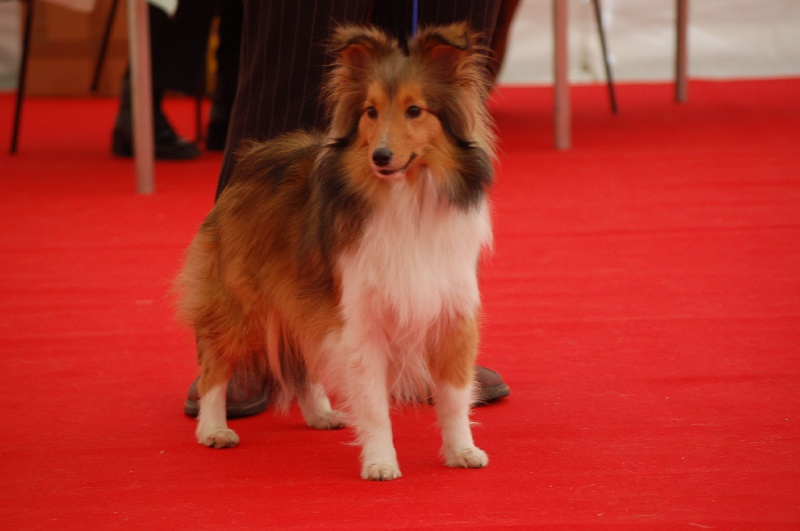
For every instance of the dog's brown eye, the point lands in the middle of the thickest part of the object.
(372, 112)
(413, 111)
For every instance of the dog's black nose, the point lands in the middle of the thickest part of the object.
(382, 156)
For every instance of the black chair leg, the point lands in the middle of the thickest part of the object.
(606, 61)
(101, 56)
(23, 69)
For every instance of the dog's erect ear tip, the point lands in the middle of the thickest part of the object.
(350, 37)
(458, 35)
(449, 49)
(344, 36)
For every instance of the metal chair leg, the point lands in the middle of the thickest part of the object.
(23, 69)
(606, 60)
(101, 56)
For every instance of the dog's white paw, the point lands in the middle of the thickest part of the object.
(472, 457)
(317, 411)
(377, 471)
(330, 420)
(218, 438)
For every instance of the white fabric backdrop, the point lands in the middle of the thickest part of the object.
(727, 39)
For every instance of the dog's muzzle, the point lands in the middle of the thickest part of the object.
(382, 158)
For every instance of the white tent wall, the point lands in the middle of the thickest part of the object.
(727, 39)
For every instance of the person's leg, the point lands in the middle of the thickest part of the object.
(395, 17)
(179, 56)
(178, 47)
(229, 33)
(480, 14)
(281, 68)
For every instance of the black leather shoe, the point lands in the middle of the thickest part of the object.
(168, 145)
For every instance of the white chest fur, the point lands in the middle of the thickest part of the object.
(416, 261)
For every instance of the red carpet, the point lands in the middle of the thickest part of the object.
(643, 303)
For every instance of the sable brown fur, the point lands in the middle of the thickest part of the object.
(285, 284)
(350, 257)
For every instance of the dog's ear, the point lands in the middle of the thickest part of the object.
(354, 50)
(456, 82)
(356, 46)
(451, 51)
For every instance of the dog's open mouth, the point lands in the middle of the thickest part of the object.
(397, 172)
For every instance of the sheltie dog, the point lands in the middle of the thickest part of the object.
(348, 260)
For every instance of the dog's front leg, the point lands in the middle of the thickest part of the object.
(368, 401)
(453, 369)
(452, 409)
(316, 409)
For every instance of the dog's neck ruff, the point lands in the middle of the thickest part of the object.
(413, 271)
(416, 259)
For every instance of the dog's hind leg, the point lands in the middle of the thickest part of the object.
(316, 409)
(452, 366)
(212, 427)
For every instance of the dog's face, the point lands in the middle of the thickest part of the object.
(397, 129)
(398, 111)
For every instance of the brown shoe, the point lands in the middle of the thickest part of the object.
(490, 386)
(247, 395)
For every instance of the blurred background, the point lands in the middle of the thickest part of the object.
(727, 39)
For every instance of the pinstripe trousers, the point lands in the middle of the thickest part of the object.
(283, 59)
